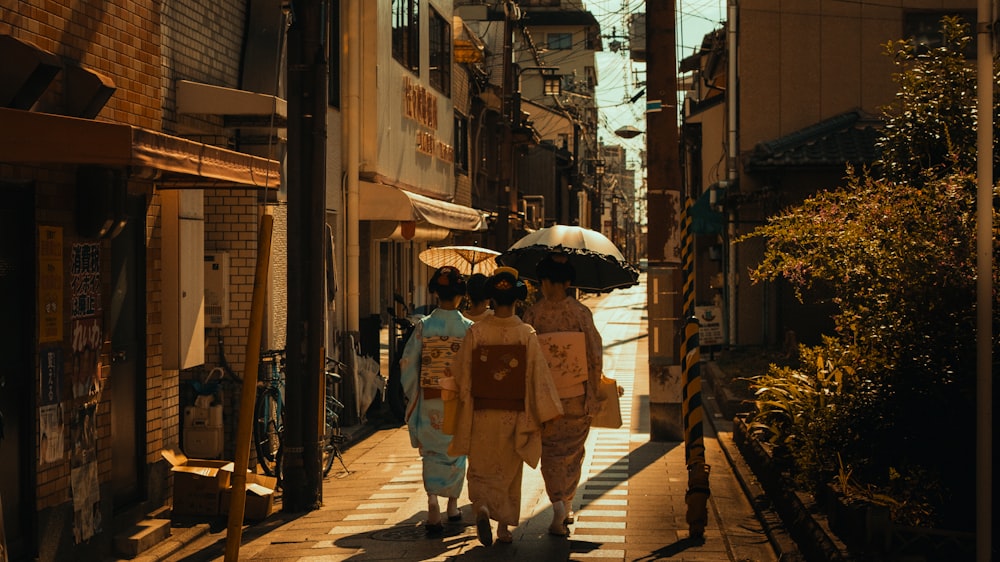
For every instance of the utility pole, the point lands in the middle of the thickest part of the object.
(305, 353)
(663, 197)
(506, 196)
(984, 289)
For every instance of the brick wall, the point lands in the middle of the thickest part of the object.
(120, 40)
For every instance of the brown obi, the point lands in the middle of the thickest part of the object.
(566, 355)
(499, 377)
(435, 358)
(431, 393)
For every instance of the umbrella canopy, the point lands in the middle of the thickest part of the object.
(599, 265)
(466, 259)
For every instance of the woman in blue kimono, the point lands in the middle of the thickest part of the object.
(424, 376)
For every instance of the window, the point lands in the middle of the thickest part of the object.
(559, 41)
(562, 140)
(333, 41)
(591, 75)
(439, 44)
(406, 33)
(461, 143)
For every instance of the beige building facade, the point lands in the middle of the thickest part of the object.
(779, 101)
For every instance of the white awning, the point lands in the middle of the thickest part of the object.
(379, 202)
(239, 107)
(37, 138)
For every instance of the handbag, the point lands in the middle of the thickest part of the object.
(610, 413)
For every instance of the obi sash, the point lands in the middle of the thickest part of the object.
(566, 355)
(499, 377)
(435, 358)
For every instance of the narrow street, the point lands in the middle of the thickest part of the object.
(629, 507)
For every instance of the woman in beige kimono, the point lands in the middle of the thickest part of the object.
(479, 299)
(574, 350)
(505, 393)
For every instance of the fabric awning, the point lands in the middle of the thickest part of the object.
(379, 202)
(43, 138)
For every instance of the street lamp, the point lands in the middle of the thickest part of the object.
(628, 132)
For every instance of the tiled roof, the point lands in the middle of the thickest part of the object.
(848, 138)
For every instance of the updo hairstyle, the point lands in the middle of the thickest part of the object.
(505, 288)
(447, 283)
(477, 290)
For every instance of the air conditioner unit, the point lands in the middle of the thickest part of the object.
(216, 289)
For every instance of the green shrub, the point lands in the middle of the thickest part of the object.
(890, 396)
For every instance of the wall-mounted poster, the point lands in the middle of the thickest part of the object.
(49, 409)
(85, 280)
(83, 474)
(85, 311)
(50, 284)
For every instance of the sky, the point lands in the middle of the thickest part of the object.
(619, 79)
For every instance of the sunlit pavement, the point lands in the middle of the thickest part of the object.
(630, 506)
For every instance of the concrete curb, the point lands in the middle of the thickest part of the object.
(784, 546)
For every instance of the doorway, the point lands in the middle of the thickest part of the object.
(127, 328)
(17, 290)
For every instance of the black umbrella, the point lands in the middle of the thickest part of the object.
(599, 265)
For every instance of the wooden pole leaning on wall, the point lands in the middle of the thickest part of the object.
(244, 428)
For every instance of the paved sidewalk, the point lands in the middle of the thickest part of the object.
(630, 505)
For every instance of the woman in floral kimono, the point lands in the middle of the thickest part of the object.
(505, 393)
(574, 351)
(424, 363)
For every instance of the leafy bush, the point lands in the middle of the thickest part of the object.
(891, 394)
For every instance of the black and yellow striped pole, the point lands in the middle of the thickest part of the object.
(694, 442)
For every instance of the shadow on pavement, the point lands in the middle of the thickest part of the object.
(672, 550)
(218, 525)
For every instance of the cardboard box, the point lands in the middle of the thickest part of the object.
(198, 483)
(259, 494)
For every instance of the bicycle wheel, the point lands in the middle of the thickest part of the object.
(332, 437)
(331, 449)
(268, 426)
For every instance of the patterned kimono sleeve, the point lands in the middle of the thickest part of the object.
(595, 347)
(460, 369)
(595, 357)
(543, 398)
(409, 363)
(529, 315)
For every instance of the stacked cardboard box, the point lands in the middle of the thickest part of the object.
(204, 487)
(259, 497)
(198, 483)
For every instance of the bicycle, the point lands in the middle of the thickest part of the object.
(269, 411)
(333, 438)
(269, 415)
